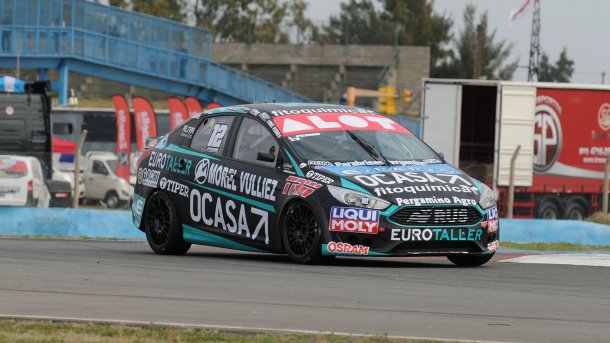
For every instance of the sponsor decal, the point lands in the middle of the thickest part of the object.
(417, 235)
(214, 174)
(319, 177)
(257, 186)
(137, 209)
(319, 122)
(358, 163)
(492, 213)
(148, 177)
(316, 163)
(174, 187)
(322, 110)
(346, 248)
(356, 220)
(299, 186)
(363, 170)
(170, 163)
(410, 177)
(228, 215)
(297, 138)
(425, 188)
(603, 116)
(547, 133)
(493, 246)
(435, 200)
(492, 226)
(187, 131)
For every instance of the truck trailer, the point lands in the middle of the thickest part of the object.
(563, 130)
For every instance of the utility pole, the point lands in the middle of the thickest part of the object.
(534, 44)
(479, 53)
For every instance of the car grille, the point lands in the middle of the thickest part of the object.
(432, 215)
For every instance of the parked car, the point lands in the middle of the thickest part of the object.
(68, 176)
(313, 181)
(101, 183)
(22, 182)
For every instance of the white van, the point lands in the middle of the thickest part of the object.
(101, 183)
(22, 182)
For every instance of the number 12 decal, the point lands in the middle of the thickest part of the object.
(218, 134)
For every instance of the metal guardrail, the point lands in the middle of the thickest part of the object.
(134, 42)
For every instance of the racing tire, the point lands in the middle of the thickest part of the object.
(162, 226)
(302, 235)
(548, 210)
(469, 260)
(575, 211)
(112, 200)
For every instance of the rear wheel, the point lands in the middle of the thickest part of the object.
(469, 260)
(575, 211)
(548, 210)
(162, 227)
(302, 235)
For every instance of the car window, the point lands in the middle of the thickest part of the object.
(212, 134)
(98, 168)
(252, 138)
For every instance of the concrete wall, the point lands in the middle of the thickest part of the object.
(62, 222)
(322, 72)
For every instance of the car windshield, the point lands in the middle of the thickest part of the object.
(12, 169)
(111, 164)
(376, 147)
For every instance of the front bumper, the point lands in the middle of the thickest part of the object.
(392, 239)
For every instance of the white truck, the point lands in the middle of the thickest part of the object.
(563, 130)
(101, 183)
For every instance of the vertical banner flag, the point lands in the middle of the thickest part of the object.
(177, 112)
(517, 12)
(193, 105)
(123, 136)
(146, 122)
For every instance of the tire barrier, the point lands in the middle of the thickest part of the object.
(553, 231)
(67, 222)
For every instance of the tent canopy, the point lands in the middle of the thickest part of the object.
(10, 84)
(63, 147)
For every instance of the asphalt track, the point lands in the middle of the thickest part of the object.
(430, 297)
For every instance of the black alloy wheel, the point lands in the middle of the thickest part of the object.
(302, 235)
(163, 229)
(469, 260)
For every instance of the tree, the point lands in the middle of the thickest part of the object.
(168, 9)
(253, 21)
(560, 72)
(460, 63)
(419, 25)
(358, 22)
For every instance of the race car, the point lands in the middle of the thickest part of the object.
(312, 181)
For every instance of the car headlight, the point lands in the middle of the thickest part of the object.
(354, 198)
(487, 199)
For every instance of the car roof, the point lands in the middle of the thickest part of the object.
(282, 109)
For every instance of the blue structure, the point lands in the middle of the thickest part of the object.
(128, 47)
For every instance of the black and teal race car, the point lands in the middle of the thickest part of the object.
(313, 181)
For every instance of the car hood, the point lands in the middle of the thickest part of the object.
(432, 184)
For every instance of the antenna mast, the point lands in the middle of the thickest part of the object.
(534, 44)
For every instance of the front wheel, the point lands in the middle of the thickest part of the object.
(302, 235)
(470, 260)
(162, 227)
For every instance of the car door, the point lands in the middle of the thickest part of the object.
(254, 153)
(95, 181)
(41, 192)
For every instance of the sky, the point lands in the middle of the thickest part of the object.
(582, 26)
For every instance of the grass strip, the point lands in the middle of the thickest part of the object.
(12, 330)
(562, 246)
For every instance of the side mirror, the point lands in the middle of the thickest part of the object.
(266, 156)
